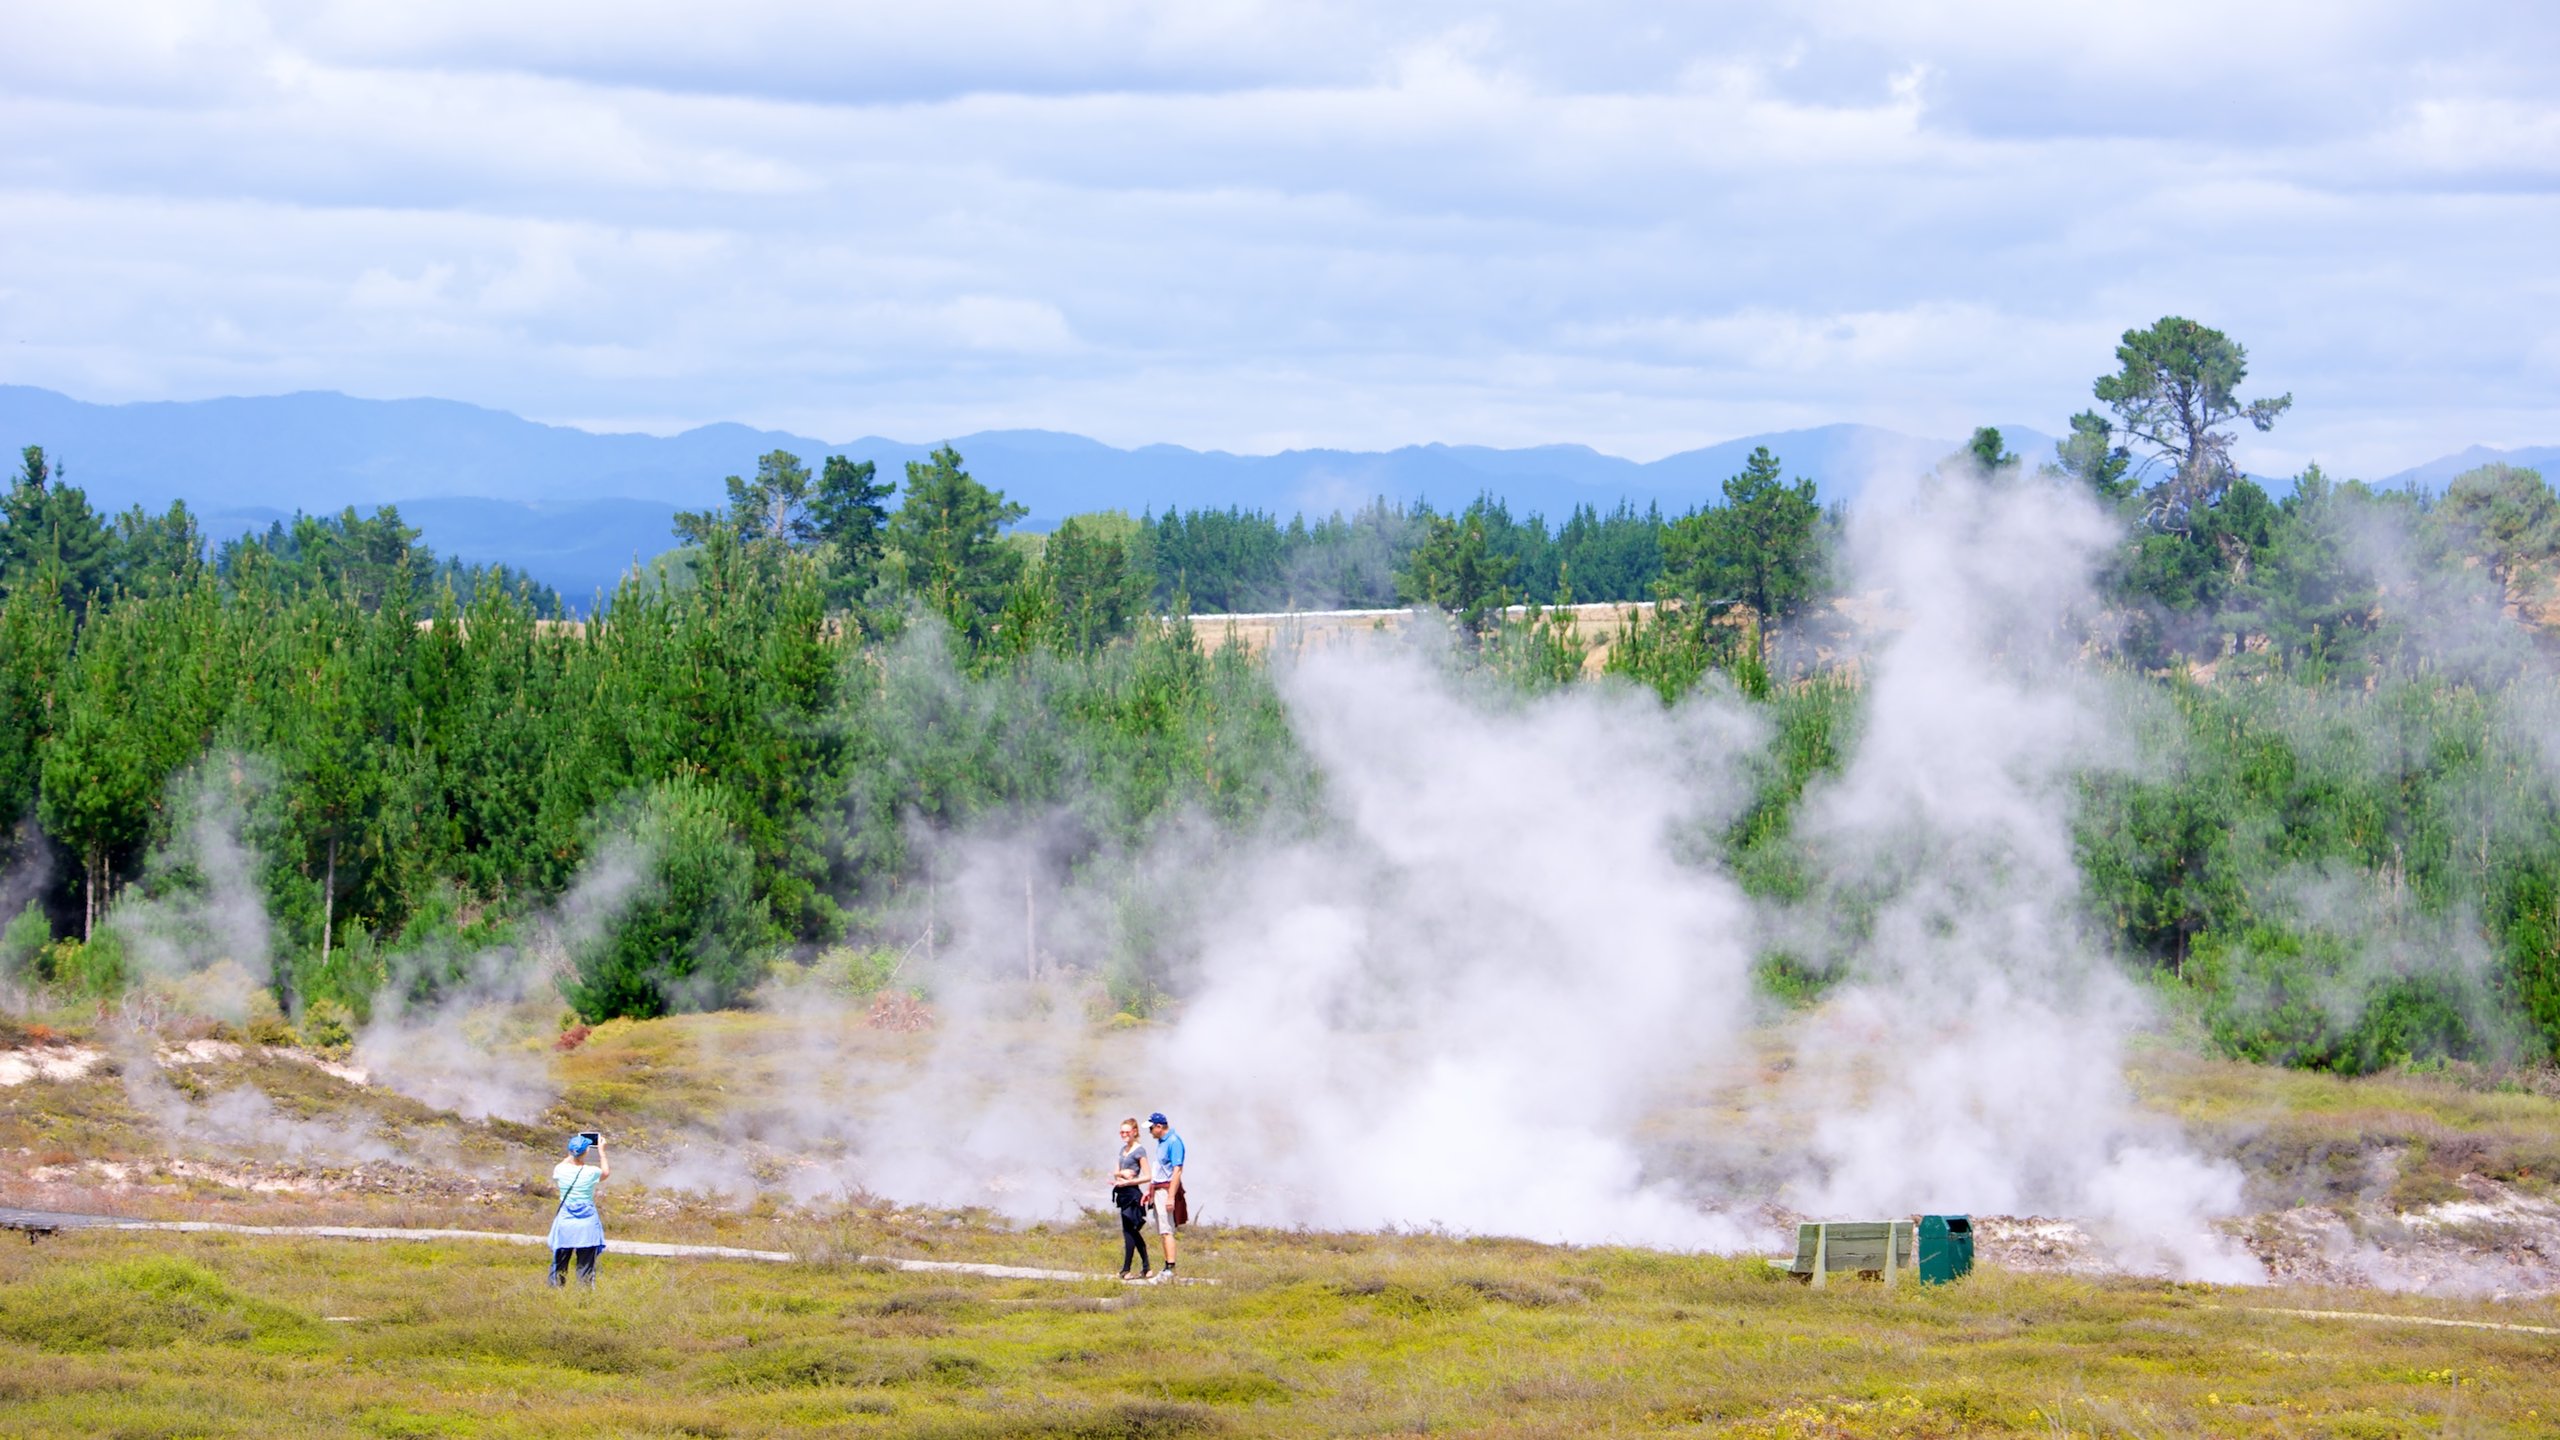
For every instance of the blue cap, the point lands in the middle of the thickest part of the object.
(1158, 1119)
(577, 1144)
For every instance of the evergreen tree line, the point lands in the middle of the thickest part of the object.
(758, 726)
(50, 536)
(2343, 852)
(1238, 561)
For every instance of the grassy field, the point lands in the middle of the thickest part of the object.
(1303, 1334)
(158, 1335)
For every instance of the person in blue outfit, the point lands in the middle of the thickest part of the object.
(1164, 1176)
(576, 1228)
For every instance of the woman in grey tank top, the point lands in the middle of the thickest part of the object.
(1128, 1191)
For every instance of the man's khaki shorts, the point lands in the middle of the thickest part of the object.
(1162, 1203)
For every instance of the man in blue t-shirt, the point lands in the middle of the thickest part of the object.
(1166, 1150)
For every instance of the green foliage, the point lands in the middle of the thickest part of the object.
(849, 514)
(2176, 392)
(1812, 724)
(1674, 646)
(94, 968)
(2313, 591)
(2315, 859)
(50, 538)
(839, 519)
(1760, 551)
(2507, 517)
(858, 971)
(772, 509)
(134, 708)
(36, 632)
(1237, 561)
(691, 932)
(2524, 915)
(326, 1028)
(1457, 570)
(1224, 561)
(2181, 590)
(945, 539)
(1989, 452)
(158, 554)
(366, 559)
(790, 712)
(445, 931)
(1617, 556)
(1097, 578)
(2091, 456)
(149, 1304)
(1540, 650)
(370, 561)
(21, 940)
(2279, 995)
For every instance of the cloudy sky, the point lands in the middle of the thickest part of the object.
(1641, 227)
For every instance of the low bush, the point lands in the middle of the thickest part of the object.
(21, 940)
(147, 1304)
(327, 1028)
(801, 1364)
(691, 931)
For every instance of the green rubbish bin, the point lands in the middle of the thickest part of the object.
(1946, 1248)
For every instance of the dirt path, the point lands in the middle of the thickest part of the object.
(40, 1222)
(2398, 1319)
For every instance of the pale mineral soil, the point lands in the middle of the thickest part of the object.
(2435, 1184)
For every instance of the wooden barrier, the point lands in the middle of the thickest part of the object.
(1868, 1247)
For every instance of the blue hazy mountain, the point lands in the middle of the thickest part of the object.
(575, 508)
(2434, 474)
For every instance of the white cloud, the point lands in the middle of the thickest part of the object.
(1246, 224)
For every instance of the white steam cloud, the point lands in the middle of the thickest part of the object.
(1976, 1061)
(1454, 1008)
(205, 935)
(1458, 1002)
(456, 1051)
(1466, 994)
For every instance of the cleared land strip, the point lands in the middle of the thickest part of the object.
(2394, 1319)
(45, 1222)
(379, 1232)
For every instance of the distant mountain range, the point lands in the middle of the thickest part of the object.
(575, 508)
(2435, 473)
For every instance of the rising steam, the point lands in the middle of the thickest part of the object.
(1458, 1000)
(1462, 996)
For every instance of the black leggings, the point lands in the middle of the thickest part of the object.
(1133, 1229)
(586, 1265)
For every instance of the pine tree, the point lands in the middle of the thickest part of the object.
(946, 534)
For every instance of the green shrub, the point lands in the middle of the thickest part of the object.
(691, 931)
(858, 971)
(95, 969)
(445, 936)
(799, 1364)
(1227, 1387)
(348, 976)
(327, 1028)
(21, 940)
(2277, 996)
(2529, 924)
(147, 1304)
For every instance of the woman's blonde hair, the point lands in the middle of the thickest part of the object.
(1130, 1123)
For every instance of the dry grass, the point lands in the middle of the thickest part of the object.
(2306, 1138)
(1306, 1335)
